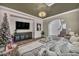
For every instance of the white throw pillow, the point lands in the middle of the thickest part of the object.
(71, 33)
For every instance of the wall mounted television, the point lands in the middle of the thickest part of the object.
(22, 25)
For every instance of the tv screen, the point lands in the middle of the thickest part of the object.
(22, 25)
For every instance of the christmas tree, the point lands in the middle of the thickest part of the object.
(5, 31)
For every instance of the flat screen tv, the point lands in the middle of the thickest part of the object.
(22, 25)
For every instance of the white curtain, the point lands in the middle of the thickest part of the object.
(56, 26)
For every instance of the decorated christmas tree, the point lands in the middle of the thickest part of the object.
(4, 31)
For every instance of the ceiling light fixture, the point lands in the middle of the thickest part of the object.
(42, 14)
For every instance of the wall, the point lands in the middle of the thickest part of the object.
(71, 18)
(20, 16)
(13, 20)
(38, 33)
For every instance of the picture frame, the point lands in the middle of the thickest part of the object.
(38, 27)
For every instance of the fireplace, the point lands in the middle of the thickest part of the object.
(23, 36)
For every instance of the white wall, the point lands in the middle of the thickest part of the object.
(71, 18)
(12, 21)
(24, 18)
(13, 24)
(38, 33)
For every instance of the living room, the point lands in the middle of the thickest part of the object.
(34, 29)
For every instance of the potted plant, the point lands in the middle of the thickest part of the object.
(42, 34)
